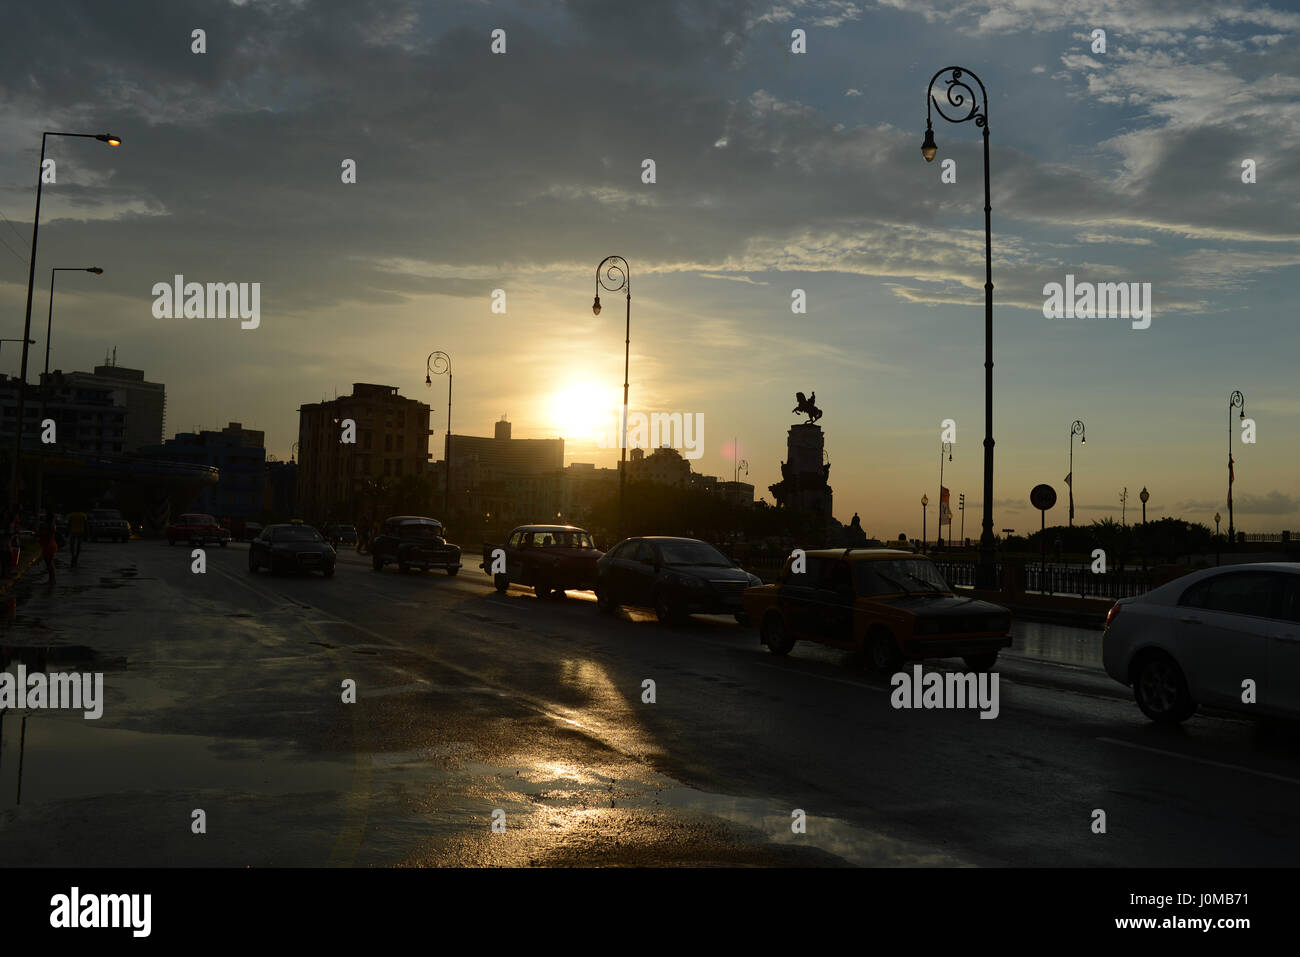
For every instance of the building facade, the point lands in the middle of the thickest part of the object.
(391, 434)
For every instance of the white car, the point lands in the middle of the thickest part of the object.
(1226, 637)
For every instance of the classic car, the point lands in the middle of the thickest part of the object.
(891, 604)
(107, 523)
(675, 576)
(413, 541)
(299, 548)
(550, 558)
(197, 529)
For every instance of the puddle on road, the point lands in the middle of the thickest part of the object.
(66, 757)
(562, 797)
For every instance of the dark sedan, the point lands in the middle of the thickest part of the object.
(298, 548)
(675, 576)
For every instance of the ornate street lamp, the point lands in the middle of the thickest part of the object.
(1076, 428)
(439, 363)
(961, 97)
(618, 277)
(925, 500)
(944, 448)
(1235, 401)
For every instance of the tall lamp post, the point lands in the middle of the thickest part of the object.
(925, 500)
(111, 140)
(957, 94)
(45, 377)
(1235, 401)
(439, 363)
(944, 448)
(1076, 428)
(961, 505)
(617, 277)
(1217, 540)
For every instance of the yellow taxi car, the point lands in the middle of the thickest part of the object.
(892, 605)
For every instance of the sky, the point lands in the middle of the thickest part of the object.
(775, 171)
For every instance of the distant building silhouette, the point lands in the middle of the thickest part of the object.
(392, 440)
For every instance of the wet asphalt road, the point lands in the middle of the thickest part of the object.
(223, 694)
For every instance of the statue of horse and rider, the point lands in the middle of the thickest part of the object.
(807, 407)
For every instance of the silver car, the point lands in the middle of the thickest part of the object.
(1225, 637)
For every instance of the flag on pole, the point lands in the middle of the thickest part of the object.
(945, 510)
(1067, 480)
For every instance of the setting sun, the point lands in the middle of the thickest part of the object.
(581, 410)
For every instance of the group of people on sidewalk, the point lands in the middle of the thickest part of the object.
(48, 538)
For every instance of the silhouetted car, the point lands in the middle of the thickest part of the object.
(1199, 638)
(551, 558)
(341, 535)
(107, 523)
(413, 541)
(675, 576)
(890, 604)
(298, 548)
(197, 529)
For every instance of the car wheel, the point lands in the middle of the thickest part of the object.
(452, 572)
(170, 541)
(742, 618)
(402, 566)
(541, 589)
(1160, 689)
(775, 636)
(665, 610)
(501, 583)
(252, 561)
(882, 651)
(376, 563)
(224, 543)
(329, 572)
(604, 604)
(982, 662)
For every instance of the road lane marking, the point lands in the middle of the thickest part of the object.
(1214, 764)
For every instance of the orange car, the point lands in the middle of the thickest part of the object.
(892, 605)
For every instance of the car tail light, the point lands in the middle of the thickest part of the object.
(1112, 614)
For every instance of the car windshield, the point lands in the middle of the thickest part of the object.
(105, 513)
(421, 530)
(295, 533)
(564, 539)
(895, 576)
(693, 553)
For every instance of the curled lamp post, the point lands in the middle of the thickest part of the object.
(616, 277)
(1076, 428)
(1235, 401)
(960, 97)
(439, 363)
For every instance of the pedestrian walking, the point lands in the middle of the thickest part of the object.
(49, 545)
(77, 525)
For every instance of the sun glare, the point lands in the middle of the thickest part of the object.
(580, 411)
